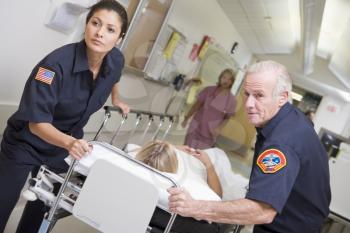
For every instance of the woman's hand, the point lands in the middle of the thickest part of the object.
(184, 123)
(124, 107)
(78, 148)
(47, 132)
(186, 149)
(203, 157)
(116, 100)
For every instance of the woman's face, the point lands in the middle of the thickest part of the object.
(102, 32)
(226, 80)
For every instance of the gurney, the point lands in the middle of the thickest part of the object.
(90, 200)
(108, 205)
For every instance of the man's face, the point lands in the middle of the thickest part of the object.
(260, 104)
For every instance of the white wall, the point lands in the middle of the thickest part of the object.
(333, 114)
(26, 40)
(196, 18)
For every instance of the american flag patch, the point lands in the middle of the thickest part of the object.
(45, 75)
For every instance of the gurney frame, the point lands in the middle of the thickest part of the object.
(61, 205)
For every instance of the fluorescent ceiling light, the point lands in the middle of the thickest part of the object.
(296, 96)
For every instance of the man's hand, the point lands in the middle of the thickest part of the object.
(181, 202)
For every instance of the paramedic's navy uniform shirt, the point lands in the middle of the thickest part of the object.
(297, 187)
(66, 103)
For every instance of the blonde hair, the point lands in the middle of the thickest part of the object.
(159, 155)
(229, 71)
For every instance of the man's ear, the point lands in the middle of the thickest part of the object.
(284, 97)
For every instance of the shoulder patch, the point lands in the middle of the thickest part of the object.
(45, 75)
(271, 161)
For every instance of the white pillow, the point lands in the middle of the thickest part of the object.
(132, 149)
(190, 167)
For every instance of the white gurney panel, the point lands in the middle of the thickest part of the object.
(115, 200)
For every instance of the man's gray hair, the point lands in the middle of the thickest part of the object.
(283, 83)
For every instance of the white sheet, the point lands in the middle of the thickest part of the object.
(233, 184)
(197, 187)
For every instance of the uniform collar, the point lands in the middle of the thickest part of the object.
(81, 62)
(267, 129)
(108, 64)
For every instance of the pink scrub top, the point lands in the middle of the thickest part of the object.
(215, 108)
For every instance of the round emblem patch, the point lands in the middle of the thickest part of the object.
(271, 161)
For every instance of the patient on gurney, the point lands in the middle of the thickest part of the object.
(163, 156)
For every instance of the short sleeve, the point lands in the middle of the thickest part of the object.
(115, 61)
(40, 95)
(273, 175)
(231, 110)
(203, 95)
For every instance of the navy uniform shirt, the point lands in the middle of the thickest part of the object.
(290, 173)
(60, 91)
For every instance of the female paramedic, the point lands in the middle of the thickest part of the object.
(62, 92)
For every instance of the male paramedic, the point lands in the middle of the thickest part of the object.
(289, 189)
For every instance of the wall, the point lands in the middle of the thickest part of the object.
(194, 18)
(333, 114)
(26, 40)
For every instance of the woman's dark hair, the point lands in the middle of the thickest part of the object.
(111, 5)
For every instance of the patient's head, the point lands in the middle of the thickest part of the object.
(159, 155)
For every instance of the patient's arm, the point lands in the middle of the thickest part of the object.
(212, 177)
(185, 148)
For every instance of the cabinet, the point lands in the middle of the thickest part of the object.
(144, 31)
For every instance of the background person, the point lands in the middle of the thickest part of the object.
(62, 92)
(310, 114)
(214, 106)
(289, 189)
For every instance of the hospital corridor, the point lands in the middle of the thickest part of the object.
(175, 116)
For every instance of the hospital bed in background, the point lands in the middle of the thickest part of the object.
(104, 200)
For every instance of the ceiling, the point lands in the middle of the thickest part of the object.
(313, 33)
